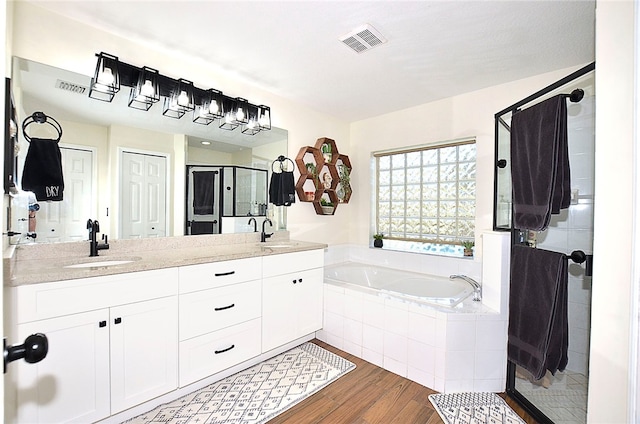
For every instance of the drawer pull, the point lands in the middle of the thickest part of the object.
(225, 307)
(222, 274)
(224, 350)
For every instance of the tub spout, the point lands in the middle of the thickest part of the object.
(477, 288)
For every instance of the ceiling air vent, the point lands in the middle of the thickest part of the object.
(69, 86)
(363, 38)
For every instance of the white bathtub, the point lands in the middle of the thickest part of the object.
(398, 284)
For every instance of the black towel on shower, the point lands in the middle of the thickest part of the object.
(282, 188)
(203, 184)
(538, 322)
(42, 173)
(541, 182)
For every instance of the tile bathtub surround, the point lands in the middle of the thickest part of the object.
(447, 352)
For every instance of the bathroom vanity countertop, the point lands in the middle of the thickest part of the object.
(22, 269)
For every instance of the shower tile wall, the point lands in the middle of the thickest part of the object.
(573, 230)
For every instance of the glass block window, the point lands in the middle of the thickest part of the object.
(427, 194)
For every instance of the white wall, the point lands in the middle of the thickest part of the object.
(44, 37)
(614, 214)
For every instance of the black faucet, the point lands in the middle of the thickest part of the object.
(264, 236)
(255, 224)
(94, 246)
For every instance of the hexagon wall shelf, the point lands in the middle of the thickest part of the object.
(324, 175)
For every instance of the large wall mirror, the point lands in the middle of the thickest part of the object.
(103, 141)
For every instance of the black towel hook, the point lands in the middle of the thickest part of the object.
(40, 118)
(281, 159)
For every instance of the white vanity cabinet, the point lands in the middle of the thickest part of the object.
(291, 296)
(112, 345)
(220, 316)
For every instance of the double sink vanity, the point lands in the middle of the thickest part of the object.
(152, 318)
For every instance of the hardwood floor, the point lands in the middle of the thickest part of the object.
(367, 395)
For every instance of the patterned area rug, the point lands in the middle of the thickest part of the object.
(257, 394)
(455, 408)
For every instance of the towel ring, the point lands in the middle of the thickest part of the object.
(40, 118)
(281, 159)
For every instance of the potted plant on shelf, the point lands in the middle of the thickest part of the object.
(345, 185)
(468, 247)
(377, 239)
(327, 207)
(311, 169)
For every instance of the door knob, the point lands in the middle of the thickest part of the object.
(34, 349)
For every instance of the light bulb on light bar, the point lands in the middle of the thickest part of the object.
(106, 77)
(147, 89)
(183, 99)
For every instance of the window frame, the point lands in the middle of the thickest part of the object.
(440, 239)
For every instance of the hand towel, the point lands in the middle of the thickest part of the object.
(538, 322)
(541, 182)
(203, 186)
(42, 172)
(282, 188)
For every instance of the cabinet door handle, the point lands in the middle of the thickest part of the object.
(102, 324)
(117, 320)
(299, 280)
(224, 350)
(294, 281)
(222, 308)
(222, 274)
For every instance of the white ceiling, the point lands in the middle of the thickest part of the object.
(435, 49)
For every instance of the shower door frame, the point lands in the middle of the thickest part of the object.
(511, 390)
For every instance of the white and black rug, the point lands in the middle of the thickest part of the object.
(257, 394)
(458, 408)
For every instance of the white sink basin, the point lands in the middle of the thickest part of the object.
(100, 264)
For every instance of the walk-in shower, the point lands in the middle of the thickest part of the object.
(561, 397)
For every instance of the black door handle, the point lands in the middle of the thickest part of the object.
(34, 349)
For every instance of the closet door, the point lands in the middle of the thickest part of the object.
(143, 196)
(67, 220)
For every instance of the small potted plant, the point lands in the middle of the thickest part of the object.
(312, 170)
(377, 239)
(327, 206)
(468, 247)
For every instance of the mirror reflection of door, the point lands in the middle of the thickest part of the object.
(143, 195)
(67, 220)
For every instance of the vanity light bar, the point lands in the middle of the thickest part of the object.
(181, 96)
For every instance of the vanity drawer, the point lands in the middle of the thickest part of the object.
(210, 310)
(292, 262)
(47, 300)
(218, 274)
(203, 356)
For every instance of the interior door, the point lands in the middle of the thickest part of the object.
(67, 220)
(143, 196)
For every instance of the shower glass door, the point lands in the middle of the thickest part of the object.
(560, 398)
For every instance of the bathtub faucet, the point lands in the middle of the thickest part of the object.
(477, 288)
